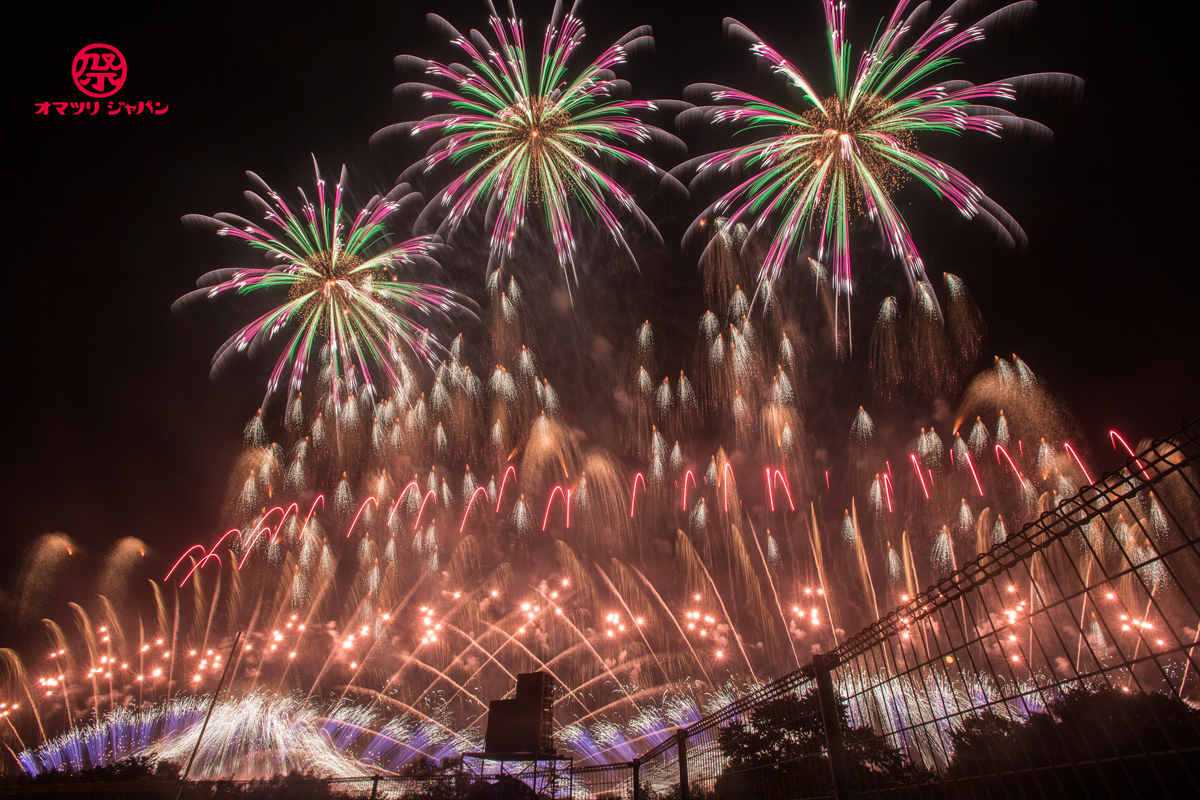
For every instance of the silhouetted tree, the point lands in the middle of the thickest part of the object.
(1100, 743)
(778, 750)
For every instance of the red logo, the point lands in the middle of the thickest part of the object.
(99, 70)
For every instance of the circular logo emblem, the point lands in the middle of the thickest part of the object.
(99, 70)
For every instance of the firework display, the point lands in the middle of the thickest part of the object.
(462, 535)
(526, 134)
(428, 516)
(848, 152)
(337, 287)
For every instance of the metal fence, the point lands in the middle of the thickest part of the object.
(1058, 665)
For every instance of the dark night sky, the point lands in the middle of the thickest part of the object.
(114, 427)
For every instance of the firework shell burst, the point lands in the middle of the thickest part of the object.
(528, 136)
(846, 153)
(335, 287)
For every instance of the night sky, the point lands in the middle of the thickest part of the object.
(114, 427)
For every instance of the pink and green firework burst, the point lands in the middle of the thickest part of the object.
(529, 135)
(847, 152)
(335, 287)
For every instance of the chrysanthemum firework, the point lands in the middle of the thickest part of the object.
(335, 286)
(528, 135)
(847, 152)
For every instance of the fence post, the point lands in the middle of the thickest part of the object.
(637, 778)
(374, 787)
(822, 670)
(681, 740)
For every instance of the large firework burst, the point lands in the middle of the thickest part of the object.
(847, 152)
(335, 288)
(533, 140)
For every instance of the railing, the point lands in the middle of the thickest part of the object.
(1058, 665)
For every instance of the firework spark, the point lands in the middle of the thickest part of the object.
(847, 152)
(334, 284)
(529, 135)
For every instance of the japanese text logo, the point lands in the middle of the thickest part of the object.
(99, 70)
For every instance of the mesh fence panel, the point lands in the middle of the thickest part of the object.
(1059, 665)
(606, 781)
(658, 770)
(768, 744)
